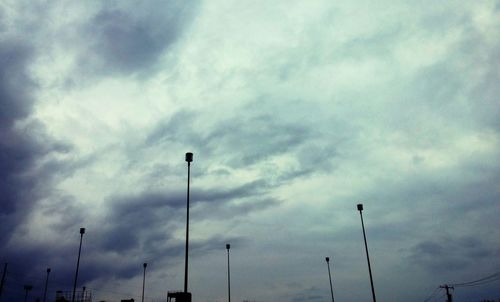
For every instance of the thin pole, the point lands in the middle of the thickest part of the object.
(46, 283)
(330, 276)
(360, 209)
(189, 159)
(82, 231)
(3, 279)
(228, 246)
(144, 280)
(27, 288)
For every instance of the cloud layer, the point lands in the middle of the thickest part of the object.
(295, 112)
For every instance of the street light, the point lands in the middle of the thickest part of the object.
(228, 246)
(144, 280)
(82, 231)
(189, 159)
(330, 276)
(46, 283)
(27, 288)
(360, 209)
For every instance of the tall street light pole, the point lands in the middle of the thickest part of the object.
(360, 209)
(330, 276)
(82, 231)
(228, 246)
(46, 283)
(144, 280)
(189, 159)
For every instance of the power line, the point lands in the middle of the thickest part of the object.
(434, 293)
(481, 283)
(488, 279)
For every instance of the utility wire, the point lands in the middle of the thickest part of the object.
(488, 279)
(434, 293)
(481, 283)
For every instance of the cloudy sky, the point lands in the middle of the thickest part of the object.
(295, 112)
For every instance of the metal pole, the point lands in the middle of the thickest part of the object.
(189, 159)
(144, 280)
(228, 246)
(360, 209)
(3, 279)
(330, 276)
(449, 298)
(27, 288)
(82, 231)
(46, 283)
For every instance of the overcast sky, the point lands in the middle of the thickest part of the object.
(295, 111)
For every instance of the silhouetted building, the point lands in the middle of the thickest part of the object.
(178, 297)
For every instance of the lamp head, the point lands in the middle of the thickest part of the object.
(82, 231)
(360, 207)
(145, 264)
(48, 270)
(228, 246)
(189, 157)
(327, 259)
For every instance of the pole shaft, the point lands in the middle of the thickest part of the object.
(187, 234)
(77, 266)
(330, 276)
(3, 279)
(143, 283)
(46, 284)
(448, 295)
(228, 278)
(368, 258)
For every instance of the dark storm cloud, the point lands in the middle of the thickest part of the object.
(257, 136)
(128, 37)
(132, 220)
(223, 195)
(431, 202)
(448, 253)
(15, 84)
(460, 189)
(137, 220)
(28, 162)
(175, 129)
(23, 180)
(29, 259)
(138, 227)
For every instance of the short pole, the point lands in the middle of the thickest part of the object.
(82, 231)
(2, 282)
(46, 284)
(330, 276)
(228, 246)
(360, 209)
(27, 288)
(144, 280)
